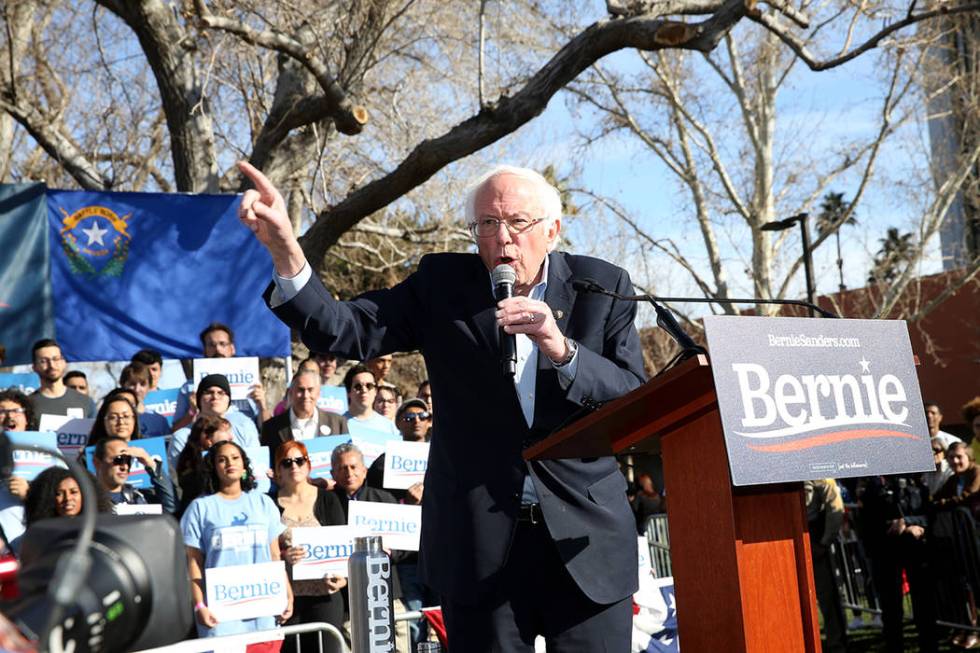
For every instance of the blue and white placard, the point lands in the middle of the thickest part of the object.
(320, 449)
(246, 591)
(398, 525)
(28, 464)
(370, 441)
(242, 373)
(327, 549)
(405, 463)
(72, 431)
(23, 381)
(333, 399)
(163, 402)
(138, 509)
(259, 457)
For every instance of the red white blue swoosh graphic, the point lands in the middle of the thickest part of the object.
(825, 439)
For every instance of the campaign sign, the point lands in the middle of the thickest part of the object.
(28, 464)
(163, 402)
(138, 509)
(371, 442)
(242, 373)
(333, 399)
(320, 449)
(803, 399)
(23, 381)
(398, 525)
(405, 463)
(246, 591)
(326, 550)
(139, 478)
(72, 432)
(259, 457)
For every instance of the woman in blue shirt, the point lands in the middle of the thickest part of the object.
(231, 525)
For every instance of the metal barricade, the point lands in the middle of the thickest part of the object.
(330, 640)
(658, 538)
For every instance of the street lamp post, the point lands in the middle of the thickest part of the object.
(782, 225)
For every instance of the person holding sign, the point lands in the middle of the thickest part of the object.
(232, 525)
(305, 505)
(548, 544)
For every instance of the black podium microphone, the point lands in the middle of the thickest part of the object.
(503, 277)
(665, 319)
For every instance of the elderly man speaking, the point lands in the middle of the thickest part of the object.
(515, 549)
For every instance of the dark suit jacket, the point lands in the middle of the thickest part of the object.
(277, 430)
(476, 472)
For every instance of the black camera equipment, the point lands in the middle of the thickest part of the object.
(101, 583)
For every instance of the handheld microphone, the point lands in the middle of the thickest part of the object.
(503, 278)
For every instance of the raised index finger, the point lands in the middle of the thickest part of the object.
(259, 180)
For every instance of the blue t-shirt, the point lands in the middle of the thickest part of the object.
(153, 424)
(377, 422)
(229, 533)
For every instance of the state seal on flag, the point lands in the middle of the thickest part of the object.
(96, 240)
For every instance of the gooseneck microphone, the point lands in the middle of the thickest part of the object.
(503, 278)
(665, 319)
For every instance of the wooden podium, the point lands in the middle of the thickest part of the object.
(741, 556)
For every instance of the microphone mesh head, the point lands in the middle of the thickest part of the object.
(503, 273)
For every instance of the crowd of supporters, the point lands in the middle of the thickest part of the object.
(914, 533)
(210, 484)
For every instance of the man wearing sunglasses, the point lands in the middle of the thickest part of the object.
(515, 549)
(113, 459)
(361, 391)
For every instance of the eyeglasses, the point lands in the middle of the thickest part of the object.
(113, 417)
(937, 451)
(414, 417)
(287, 463)
(43, 362)
(363, 387)
(123, 460)
(486, 226)
(12, 411)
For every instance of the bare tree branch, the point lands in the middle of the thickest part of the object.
(798, 46)
(349, 118)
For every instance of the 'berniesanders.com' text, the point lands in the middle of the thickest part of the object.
(812, 341)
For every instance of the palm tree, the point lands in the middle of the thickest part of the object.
(835, 213)
(896, 248)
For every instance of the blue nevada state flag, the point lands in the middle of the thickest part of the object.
(151, 270)
(25, 294)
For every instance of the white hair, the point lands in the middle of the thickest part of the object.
(548, 195)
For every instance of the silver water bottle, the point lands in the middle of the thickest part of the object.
(372, 610)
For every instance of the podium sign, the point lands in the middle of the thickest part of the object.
(803, 399)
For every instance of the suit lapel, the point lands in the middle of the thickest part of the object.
(559, 297)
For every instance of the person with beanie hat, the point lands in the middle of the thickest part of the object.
(214, 400)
